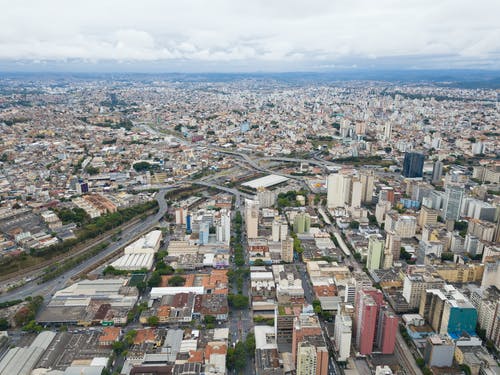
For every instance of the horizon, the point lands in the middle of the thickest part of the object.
(244, 37)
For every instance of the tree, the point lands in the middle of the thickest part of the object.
(118, 347)
(209, 319)
(153, 321)
(237, 301)
(154, 280)
(176, 281)
(250, 344)
(31, 326)
(420, 362)
(4, 324)
(91, 170)
(259, 262)
(354, 224)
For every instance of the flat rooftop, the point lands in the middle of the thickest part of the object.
(266, 181)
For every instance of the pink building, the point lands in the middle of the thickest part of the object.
(366, 314)
(375, 323)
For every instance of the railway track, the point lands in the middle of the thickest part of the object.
(17, 276)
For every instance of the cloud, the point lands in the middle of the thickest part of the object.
(279, 32)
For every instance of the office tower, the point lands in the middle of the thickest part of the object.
(357, 193)
(342, 336)
(413, 165)
(223, 227)
(437, 172)
(302, 223)
(306, 359)
(452, 202)
(204, 232)
(339, 187)
(367, 179)
(287, 250)
(188, 223)
(252, 218)
(448, 311)
(388, 131)
(375, 251)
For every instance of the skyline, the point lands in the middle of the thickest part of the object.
(243, 37)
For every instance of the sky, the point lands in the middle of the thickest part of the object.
(252, 35)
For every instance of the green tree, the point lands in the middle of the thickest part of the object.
(176, 281)
(354, 224)
(91, 170)
(237, 301)
(153, 321)
(209, 319)
(250, 344)
(118, 347)
(4, 324)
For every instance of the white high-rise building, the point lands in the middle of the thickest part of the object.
(388, 130)
(339, 188)
(357, 193)
(252, 218)
(223, 227)
(342, 336)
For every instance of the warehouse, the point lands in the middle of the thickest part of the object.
(148, 244)
(134, 262)
(265, 181)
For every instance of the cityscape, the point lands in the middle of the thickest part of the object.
(241, 209)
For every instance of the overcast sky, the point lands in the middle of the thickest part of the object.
(251, 35)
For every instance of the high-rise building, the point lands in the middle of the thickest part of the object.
(437, 172)
(302, 223)
(367, 179)
(180, 216)
(342, 336)
(275, 230)
(427, 216)
(339, 188)
(375, 252)
(388, 131)
(413, 164)
(287, 250)
(204, 232)
(439, 351)
(252, 218)
(357, 193)
(307, 333)
(223, 226)
(416, 283)
(452, 202)
(387, 330)
(393, 245)
(366, 321)
(306, 359)
(448, 311)
(375, 324)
